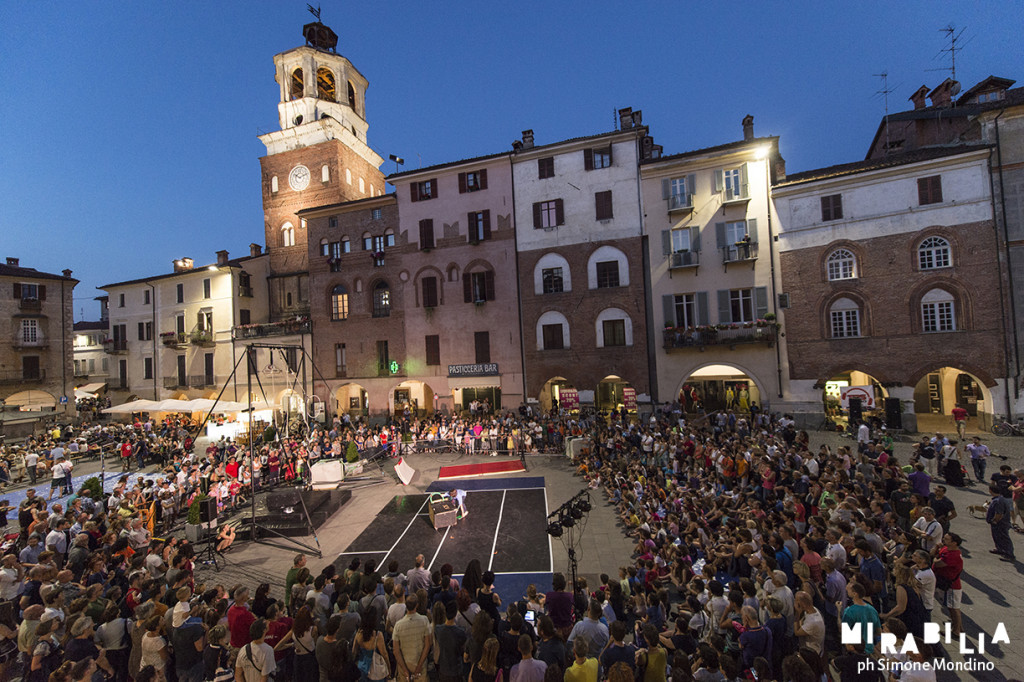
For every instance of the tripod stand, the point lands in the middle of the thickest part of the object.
(208, 555)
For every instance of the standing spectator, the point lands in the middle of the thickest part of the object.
(154, 646)
(979, 458)
(255, 661)
(297, 565)
(998, 518)
(450, 640)
(412, 642)
(241, 619)
(215, 656)
(594, 632)
(559, 606)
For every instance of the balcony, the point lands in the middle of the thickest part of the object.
(244, 291)
(259, 331)
(739, 252)
(173, 382)
(30, 305)
(201, 381)
(680, 202)
(684, 259)
(202, 338)
(27, 344)
(760, 333)
(731, 196)
(18, 376)
(174, 339)
(112, 347)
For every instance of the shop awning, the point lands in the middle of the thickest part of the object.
(474, 382)
(92, 388)
(31, 400)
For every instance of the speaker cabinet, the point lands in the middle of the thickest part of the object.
(893, 413)
(208, 510)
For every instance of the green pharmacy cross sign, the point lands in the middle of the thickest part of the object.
(393, 366)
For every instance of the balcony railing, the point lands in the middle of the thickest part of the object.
(19, 376)
(739, 252)
(30, 304)
(115, 347)
(680, 202)
(174, 339)
(244, 291)
(731, 335)
(174, 382)
(202, 338)
(201, 380)
(257, 331)
(684, 259)
(38, 342)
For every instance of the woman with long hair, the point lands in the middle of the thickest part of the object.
(473, 581)
(366, 641)
(483, 627)
(486, 669)
(303, 636)
(909, 605)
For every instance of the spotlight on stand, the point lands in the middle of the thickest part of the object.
(555, 529)
(575, 511)
(567, 520)
(583, 504)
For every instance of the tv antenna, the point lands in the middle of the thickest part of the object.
(315, 11)
(884, 92)
(953, 35)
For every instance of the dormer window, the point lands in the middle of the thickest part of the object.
(993, 96)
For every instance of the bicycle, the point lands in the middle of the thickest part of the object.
(1005, 428)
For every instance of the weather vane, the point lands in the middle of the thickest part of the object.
(315, 11)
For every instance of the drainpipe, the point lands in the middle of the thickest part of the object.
(153, 334)
(1009, 271)
(771, 260)
(519, 296)
(645, 260)
(63, 348)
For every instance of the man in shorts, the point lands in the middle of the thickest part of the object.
(948, 566)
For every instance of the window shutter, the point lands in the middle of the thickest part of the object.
(142, 331)
(761, 301)
(414, 191)
(752, 230)
(487, 224)
(695, 239)
(691, 183)
(536, 216)
(936, 187)
(666, 188)
(42, 292)
(471, 225)
(668, 308)
(702, 307)
(467, 287)
(489, 285)
(666, 242)
(429, 286)
(483, 179)
(922, 190)
(744, 183)
(611, 161)
(462, 183)
(720, 235)
(427, 233)
(588, 159)
(719, 181)
(435, 189)
(17, 290)
(724, 308)
(559, 212)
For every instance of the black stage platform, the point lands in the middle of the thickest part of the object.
(506, 529)
(280, 510)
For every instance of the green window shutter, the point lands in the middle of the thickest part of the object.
(752, 230)
(666, 188)
(668, 308)
(720, 235)
(702, 307)
(744, 185)
(666, 242)
(695, 238)
(761, 301)
(719, 181)
(724, 308)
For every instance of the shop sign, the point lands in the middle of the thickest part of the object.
(569, 398)
(629, 398)
(484, 369)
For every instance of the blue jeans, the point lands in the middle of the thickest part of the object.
(979, 468)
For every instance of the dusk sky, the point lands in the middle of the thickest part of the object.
(130, 128)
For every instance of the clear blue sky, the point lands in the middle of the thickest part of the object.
(129, 128)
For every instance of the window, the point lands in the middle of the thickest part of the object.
(741, 305)
(348, 176)
(346, 245)
(145, 297)
(546, 167)
(383, 359)
(433, 344)
(287, 235)
(296, 85)
(120, 300)
(325, 89)
(473, 181)
(145, 331)
(933, 253)
(937, 314)
(429, 288)
(381, 300)
(603, 205)
(340, 360)
(929, 190)
(552, 337)
(552, 278)
(351, 96)
(685, 309)
(607, 274)
(548, 214)
(206, 288)
(339, 303)
(325, 247)
(681, 240)
(325, 174)
(831, 207)
(204, 321)
(147, 368)
(244, 316)
(735, 231)
(731, 183)
(179, 293)
(679, 191)
(478, 286)
(376, 213)
(362, 185)
(422, 191)
(29, 291)
(30, 331)
(614, 332)
(482, 344)
(842, 264)
(427, 233)
(600, 157)
(845, 319)
(273, 185)
(479, 226)
(179, 323)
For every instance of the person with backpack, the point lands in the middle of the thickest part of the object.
(255, 662)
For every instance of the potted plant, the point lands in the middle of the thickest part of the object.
(193, 527)
(352, 452)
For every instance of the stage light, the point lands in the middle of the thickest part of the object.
(583, 504)
(554, 529)
(575, 511)
(567, 520)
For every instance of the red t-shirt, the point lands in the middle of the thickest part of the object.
(239, 620)
(231, 469)
(959, 414)
(954, 566)
(276, 630)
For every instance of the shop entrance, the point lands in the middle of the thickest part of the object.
(558, 391)
(352, 400)
(938, 392)
(614, 393)
(853, 396)
(719, 387)
(413, 398)
(488, 400)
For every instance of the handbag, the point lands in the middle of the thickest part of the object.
(379, 669)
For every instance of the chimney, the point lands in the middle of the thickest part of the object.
(222, 258)
(67, 273)
(942, 95)
(919, 97)
(748, 128)
(12, 261)
(626, 118)
(255, 250)
(528, 139)
(183, 265)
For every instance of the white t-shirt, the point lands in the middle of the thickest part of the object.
(927, 578)
(256, 661)
(9, 583)
(814, 625)
(31, 459)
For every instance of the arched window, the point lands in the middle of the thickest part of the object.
(325, 247)
(607, 267)
(339, 303)
(381, 300)
(295, 86)
(842, 264)
(934, 252)
(287, 235)
(844, 317)
(937, 311)
(551, 275)
(552, 331)
(346, 245)
(614, 328)
(325, 85)
(352, 96)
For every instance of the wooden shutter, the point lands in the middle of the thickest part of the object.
(142, 331)
(42, 292)
(691, 183)
(427, 233)
(720, 235)
(471, 226)
(666, 242)
(922, 190)
(17, 291)
(695, 238)
(482, 346)
(435, 189)
(429, 287)
(666, 188)
(760, 302)
(433, 343)
(559, 212)
(467, 287)
(724, 308)
(462, 183)
(719, 181)
(489, 285)
(483, 178)
(414, 191)
(588, 159)
(603, 205)
(702, 308)
(536, 216)
(668, 309)
(752, 230)
(487, 224)
(744, 183)
(611, 161)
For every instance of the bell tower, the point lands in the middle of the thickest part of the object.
(318, 157)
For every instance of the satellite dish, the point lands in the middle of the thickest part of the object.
(954, 88)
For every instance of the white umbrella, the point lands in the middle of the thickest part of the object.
(134, 406)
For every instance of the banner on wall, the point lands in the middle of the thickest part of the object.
(865, 393)
(629, 398)
(569, 398)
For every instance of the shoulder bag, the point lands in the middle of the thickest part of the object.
(379, 669)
